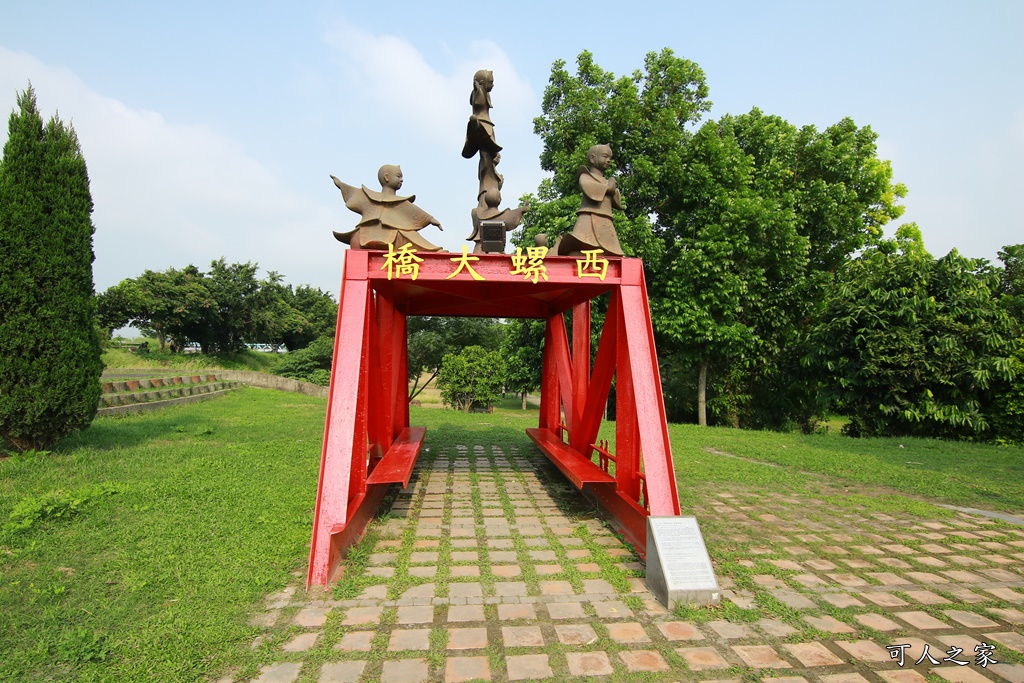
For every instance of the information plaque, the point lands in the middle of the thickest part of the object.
(678, 567)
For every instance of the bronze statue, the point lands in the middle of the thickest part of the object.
(594, 228)
(489, 222)
(487, 211)
(386, 217)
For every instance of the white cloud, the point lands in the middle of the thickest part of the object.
(404, 89)
(168, 194)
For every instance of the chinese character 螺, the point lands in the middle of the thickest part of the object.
(463, 262)
(592, 266)
(531, 266)
(402, 262)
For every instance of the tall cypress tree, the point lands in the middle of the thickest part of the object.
(49, 348)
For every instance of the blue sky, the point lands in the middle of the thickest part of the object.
(211, 128)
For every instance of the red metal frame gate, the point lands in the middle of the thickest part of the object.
(368, 443)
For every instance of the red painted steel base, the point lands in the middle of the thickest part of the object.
(368, 444)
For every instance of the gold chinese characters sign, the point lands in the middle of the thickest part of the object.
(404, 263)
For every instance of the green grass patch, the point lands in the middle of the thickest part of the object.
(138, 550)
(255, 361)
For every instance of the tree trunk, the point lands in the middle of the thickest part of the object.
(524, 400)
(702, 388)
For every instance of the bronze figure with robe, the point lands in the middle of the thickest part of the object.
(387, 218)
(594, 228)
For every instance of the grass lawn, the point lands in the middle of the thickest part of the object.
(120, 359)
(144, 545)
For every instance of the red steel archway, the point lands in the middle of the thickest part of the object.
(368, 444)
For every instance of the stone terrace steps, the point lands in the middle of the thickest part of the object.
(142, 395)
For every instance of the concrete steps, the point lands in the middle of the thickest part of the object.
(124, 396)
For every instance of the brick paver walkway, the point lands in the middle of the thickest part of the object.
(491, 567)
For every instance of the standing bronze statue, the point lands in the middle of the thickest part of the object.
(489, 222)
(386, 217)
(594, 228)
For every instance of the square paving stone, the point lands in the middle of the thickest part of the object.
(793, 600)
(967, 595)
(902, 676)
(528, 667)
(643, 660)
(504, 556)
(312, 617)
(547, 569)
(462, 669)
(575, 634)
(960, 674)
(922, 620)
(877, 622)
(1014, 641)
(1007, 594)
(460, 571)
(423, 572)
(842, 600)
(812, 654)
(884, 599)
(522, 636)
(760, 657)
(828, 623)
(612, 609)
(415, 614)
(588, 664)
(409, 639)
(843, 678)
(556, 588)
(597, 587)
(506, 571)
(730, 630)
(926, 597)
(679, 630)
(630, 632)
(423, 557)
(424, 590)
(702, 658)
(565, 610)
(1014, 673)
(465, 590)
(513, 612)
(507, 588)
(969, 619)
(465, 556)
(342, 672)
(362, 615)
(463, 613)
(864, 650)
(467, 638)
(1011, 616)
(776, 628)
(356, 641)
(301, 642)
(404, 671)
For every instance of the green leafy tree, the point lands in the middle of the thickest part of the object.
(311, 363)
(1011, 281)
(914, 346)
(172, 304)
(523, 351)
(431, 338)
(472, 377)
(49, 348)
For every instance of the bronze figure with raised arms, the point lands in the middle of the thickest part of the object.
(386, 217)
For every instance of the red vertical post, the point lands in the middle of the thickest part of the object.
(383, 432)
(580, 358)
(646, 383)
(340, 423)
(550, 406)
(400, 395)
(627, 438)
